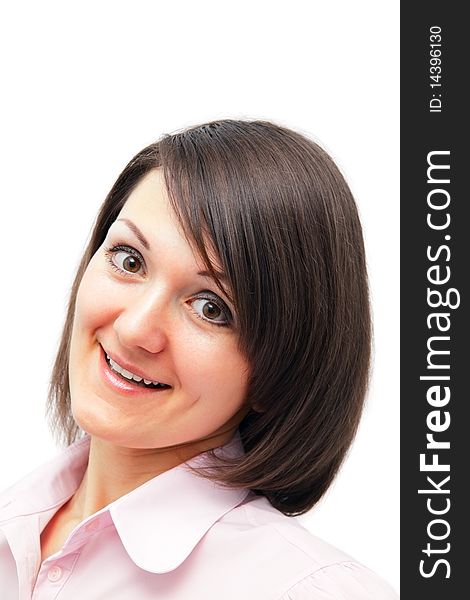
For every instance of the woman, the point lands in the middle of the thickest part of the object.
(209, 381)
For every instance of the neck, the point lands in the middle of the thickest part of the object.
(114, 471)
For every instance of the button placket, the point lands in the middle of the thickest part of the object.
(52, 578)
(54, 573)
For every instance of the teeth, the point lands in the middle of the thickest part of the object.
(128, 374)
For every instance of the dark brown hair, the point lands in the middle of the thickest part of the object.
(285, 227)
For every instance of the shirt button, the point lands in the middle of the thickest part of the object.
(54, 574)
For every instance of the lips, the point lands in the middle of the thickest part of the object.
(132, 374)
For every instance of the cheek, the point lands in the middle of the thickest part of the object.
(94, 306)
(213, 368)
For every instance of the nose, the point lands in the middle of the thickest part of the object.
(144, 321)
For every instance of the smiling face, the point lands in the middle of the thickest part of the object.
(144, 304)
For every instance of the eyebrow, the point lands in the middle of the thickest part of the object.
(140, 236)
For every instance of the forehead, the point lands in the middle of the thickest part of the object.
(149, 207)
(147, 213)
(149, 198)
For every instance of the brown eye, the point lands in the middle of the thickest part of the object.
(125, 259)
(211, 311)
(130, 263)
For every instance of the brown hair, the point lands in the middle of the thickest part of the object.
(286, 230)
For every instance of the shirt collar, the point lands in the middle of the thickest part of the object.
(159, 523)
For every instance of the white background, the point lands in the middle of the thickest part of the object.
(88, 84)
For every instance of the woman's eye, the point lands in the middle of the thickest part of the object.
(125, 260)
(208, 307)
(210, 310)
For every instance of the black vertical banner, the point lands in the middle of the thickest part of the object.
(435, 270)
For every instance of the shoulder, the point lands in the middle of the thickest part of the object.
(305, 566)
(47, 484)
(341, 581)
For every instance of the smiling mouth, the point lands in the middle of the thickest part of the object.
(134, 379)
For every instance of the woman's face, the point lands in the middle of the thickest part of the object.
(145, 301)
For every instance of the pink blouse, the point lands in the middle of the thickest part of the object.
(177, 537)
